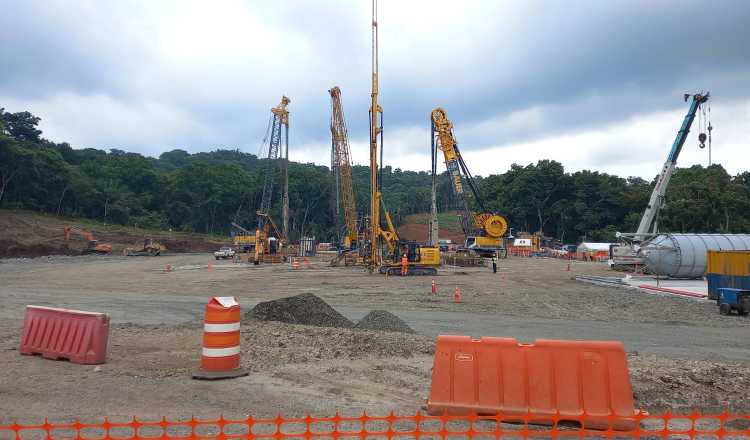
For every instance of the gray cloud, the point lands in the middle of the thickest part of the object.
(505, 72)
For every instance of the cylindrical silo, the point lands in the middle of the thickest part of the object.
(684, 255)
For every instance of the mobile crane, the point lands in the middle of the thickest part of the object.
(382, 248)
(624, 255)
(483, 230)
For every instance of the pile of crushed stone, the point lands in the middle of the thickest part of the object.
(306, 309)
(383, 320)
(266, 345)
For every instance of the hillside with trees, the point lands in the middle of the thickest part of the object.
(204, 192)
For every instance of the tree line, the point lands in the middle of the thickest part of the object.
(205, 192)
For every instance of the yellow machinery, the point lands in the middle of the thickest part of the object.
(270, 248)
(483, 230)
(342, 169)
(382, 248)
(150, 247)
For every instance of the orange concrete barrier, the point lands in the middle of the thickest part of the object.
(567, 379)
(221, 340)
(80, 337)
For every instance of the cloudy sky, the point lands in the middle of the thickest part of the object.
(592, 84)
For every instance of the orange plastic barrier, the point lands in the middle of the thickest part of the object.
(551, 377)
(389, 427)
(78, 336)
(221, 340)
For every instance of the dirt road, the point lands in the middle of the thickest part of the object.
(157, 316)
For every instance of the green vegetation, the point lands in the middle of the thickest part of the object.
(204, 192)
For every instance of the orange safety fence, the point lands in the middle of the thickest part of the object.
(391, 427)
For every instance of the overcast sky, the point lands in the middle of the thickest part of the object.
(593, 84)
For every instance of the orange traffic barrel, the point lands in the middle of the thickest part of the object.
(295, 263)
(221, 340)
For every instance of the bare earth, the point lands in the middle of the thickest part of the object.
(682, 353)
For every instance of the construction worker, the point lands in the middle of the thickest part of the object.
(494, 262)
(404, 265)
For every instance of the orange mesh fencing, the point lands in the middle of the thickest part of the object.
(391, 427)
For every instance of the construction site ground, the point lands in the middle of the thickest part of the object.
(682, 353)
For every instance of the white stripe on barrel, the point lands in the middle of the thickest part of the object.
(221, 352)
(221, 328)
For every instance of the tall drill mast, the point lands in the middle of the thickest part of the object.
(375, 130)
(342, 167)
(280, 119)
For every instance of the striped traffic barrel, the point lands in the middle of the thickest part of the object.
(220, 358)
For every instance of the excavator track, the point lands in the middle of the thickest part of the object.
(413, 271)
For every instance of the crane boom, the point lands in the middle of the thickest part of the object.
(649, 223)
(342, 167)
(483, 230)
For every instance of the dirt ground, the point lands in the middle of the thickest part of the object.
(682, 353)
(29, 234)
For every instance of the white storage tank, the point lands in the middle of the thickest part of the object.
(684, 255)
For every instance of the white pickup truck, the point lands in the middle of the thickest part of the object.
(224, 253)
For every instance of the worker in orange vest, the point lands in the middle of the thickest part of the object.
(404, 265)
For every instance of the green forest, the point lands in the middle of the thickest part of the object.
(204, 192)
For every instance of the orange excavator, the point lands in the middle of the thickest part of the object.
(93, 246)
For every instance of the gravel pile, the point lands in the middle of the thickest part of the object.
(384, 321)
(306, 309)
(267, 345)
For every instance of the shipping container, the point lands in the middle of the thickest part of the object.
(727, 269)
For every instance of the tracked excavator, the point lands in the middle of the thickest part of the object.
(483, 230)
(93, 246)
(382, 248)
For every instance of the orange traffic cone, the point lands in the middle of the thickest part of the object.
(434, 287)
(168, 268)
(221, 340)
(295, 263)
(457, 295)
(307, 263)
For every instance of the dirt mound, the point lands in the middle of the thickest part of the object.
(383, 320)
(306, 309)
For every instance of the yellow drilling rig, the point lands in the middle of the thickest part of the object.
(382, 248)
(483, 230)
